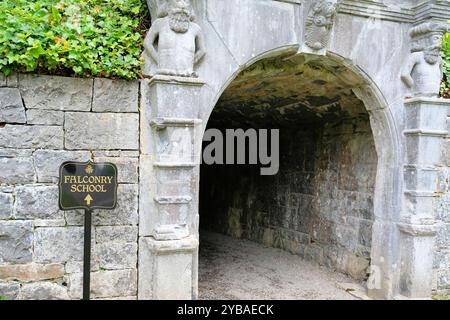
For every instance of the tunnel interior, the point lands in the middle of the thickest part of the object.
(319, 205)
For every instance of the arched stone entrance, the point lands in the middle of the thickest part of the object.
(369, 60)
(321, 205)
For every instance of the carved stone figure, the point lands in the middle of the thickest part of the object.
(319, 23)
(175, 41)
(423, 70)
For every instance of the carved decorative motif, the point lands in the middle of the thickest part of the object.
(175, 41)
(319, 23)
(423, 70)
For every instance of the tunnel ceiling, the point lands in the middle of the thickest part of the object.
(284, 91)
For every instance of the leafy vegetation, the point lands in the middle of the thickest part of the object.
(445, 88)
(73, 37)
(87, 38)
(441, 297)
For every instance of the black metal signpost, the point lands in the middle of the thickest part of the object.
(88, 186)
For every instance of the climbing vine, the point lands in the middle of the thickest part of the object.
(73, 37)
(445, 88)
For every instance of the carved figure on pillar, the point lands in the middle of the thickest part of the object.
(319, 23)
(423, 70)
(175, 42)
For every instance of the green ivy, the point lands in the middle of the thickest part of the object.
(83, 38)
(446, 55)
(441, 297)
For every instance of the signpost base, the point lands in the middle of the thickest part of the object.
(87, 254)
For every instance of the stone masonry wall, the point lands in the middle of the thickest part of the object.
(441, 263)
(44, 121)
(319, 205)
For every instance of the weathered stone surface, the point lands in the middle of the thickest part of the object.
(126, 212)
(16, 241)
(9, 290)
(12, 153)
(37, 202)
(443, 236)
(2, 80)
(127, 168)
(77, 266)
(357, 267)
(117, 283)
(6, 206)
(47, 162)
(115, 95)
(11, 106)
(314, 253)
(56, 93)
(12, 80)
(43, 291)
(6, 189)
(130, 153)
(118, 298)
(443, 279)
(446, 150)
(101, 131)
(116, 256)
(441, 259)
(53, 245)
(169, 267)
(17, 170)
(106, 153)
(31, 272)
(116, 153)
(17, 136)
(116, 234)
(45, 117)
(49, 223)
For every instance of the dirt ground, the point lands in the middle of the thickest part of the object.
(241, 269)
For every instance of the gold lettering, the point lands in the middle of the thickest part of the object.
(85, 184)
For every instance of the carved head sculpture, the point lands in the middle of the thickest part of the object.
(427, 38)
(319, 23)
(180, 14)
(323, 12)
(432, 53)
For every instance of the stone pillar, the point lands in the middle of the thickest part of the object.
(168, 241)
(425, 131)
(170, 136)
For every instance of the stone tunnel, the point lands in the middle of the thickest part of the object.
(319, 205)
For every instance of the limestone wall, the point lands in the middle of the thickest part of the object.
(441, 263)
(44, 121)
(320, 204)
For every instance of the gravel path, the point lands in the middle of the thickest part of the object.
(241, 269)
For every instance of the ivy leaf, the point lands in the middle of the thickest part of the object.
(86, 37)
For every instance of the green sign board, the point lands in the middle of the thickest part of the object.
(87, 185)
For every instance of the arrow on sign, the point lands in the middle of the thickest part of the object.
(88, 199)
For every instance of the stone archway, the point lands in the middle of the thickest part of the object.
(290, 79)
(407, 133)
